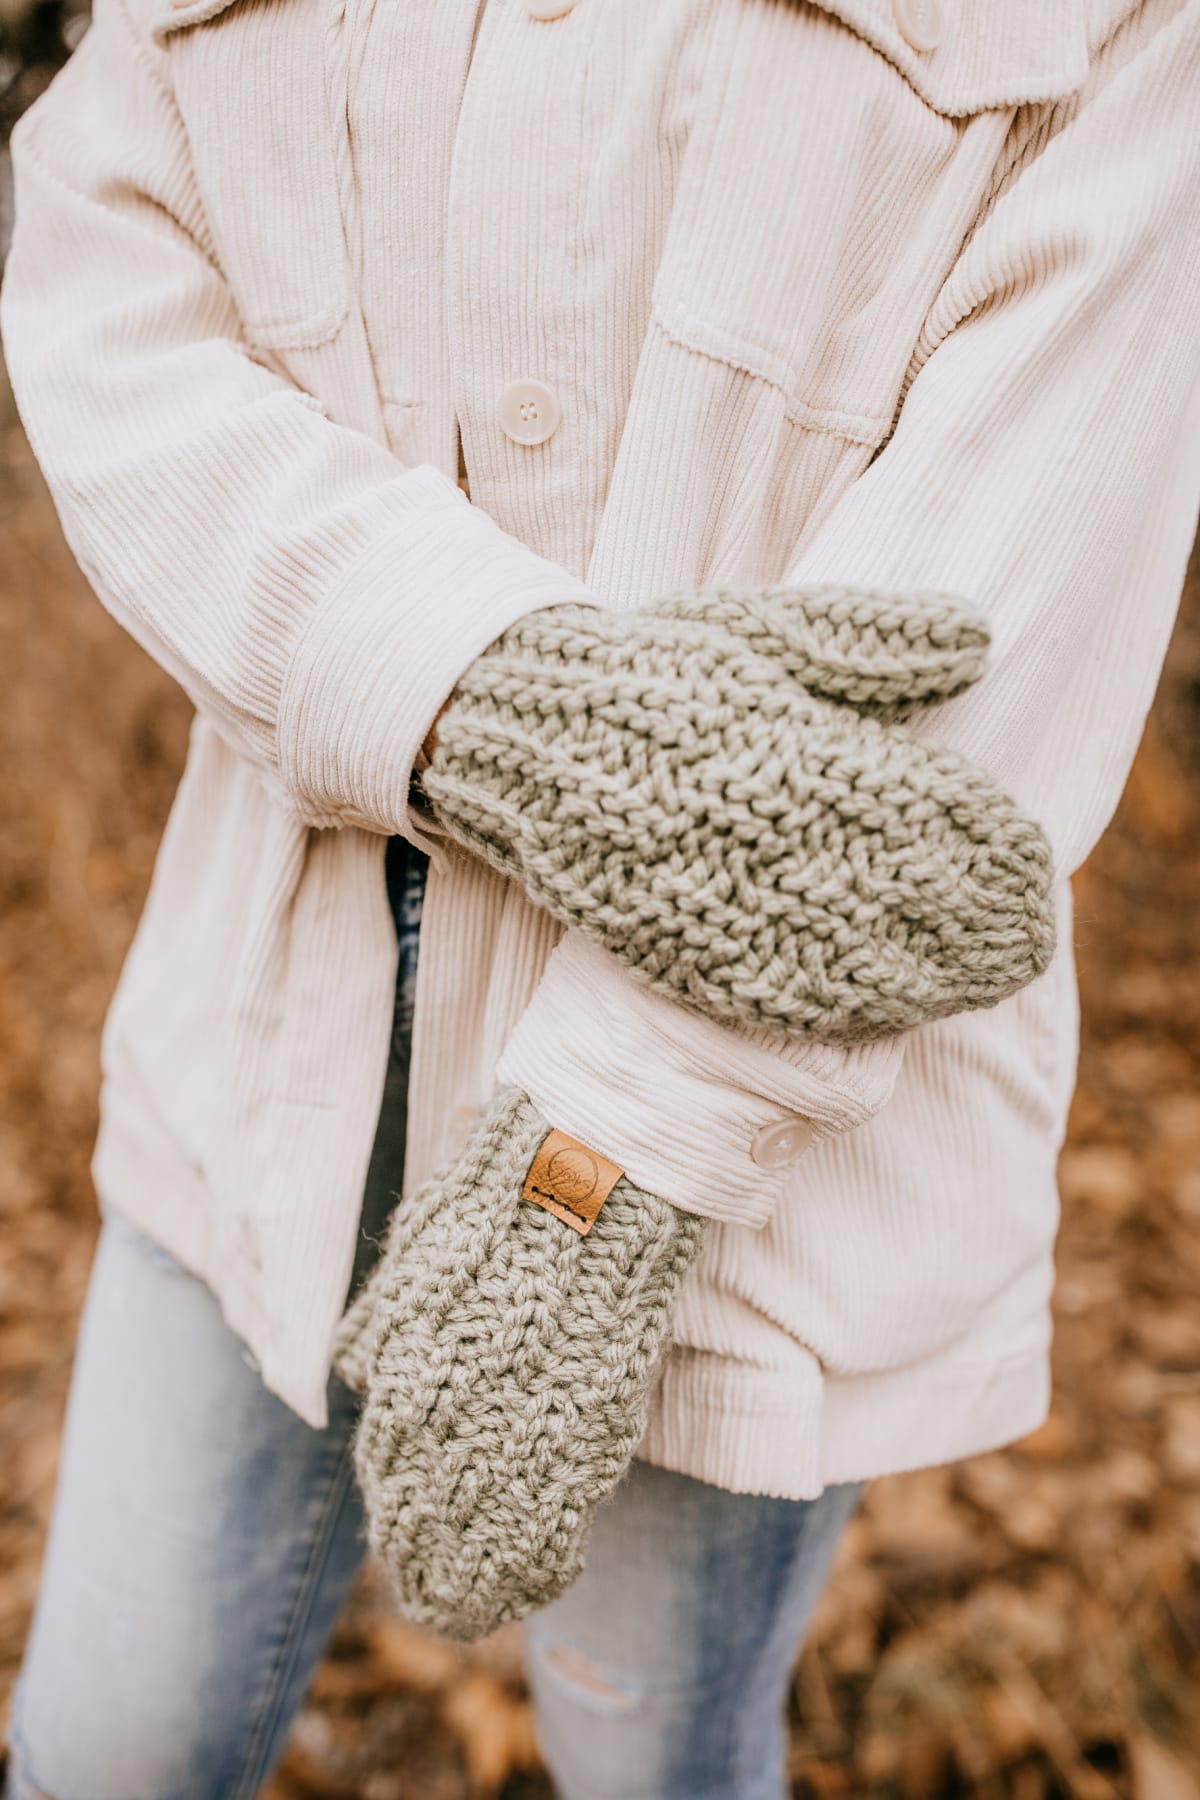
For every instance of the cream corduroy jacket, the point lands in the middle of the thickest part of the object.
(886, 294)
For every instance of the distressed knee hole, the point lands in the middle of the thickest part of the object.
(586, 1682)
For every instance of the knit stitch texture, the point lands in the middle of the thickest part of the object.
(718, 789)
(507, 1364)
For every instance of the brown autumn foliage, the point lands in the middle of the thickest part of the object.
(1026, 1624)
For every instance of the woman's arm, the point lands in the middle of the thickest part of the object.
(314, 596)
(1045, 465)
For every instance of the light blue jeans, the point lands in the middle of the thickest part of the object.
(204, 1539)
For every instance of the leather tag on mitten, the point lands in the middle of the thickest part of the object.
(570, 1181)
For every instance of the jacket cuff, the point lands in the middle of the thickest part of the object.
(388, 644)
(674, 1099)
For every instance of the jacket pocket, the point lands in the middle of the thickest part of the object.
(832, 176)
(250, 80)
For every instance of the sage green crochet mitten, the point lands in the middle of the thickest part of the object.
(720, 789)
(506, 1362)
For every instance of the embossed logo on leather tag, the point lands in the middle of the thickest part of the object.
(570, 1181)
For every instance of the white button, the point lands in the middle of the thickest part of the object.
(775, 1146)
(922, 22)
(529, 412)
(550, 9)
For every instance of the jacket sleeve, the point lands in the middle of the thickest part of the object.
(1046, 464)
(316, 597)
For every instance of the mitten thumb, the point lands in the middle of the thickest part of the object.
(868, 649)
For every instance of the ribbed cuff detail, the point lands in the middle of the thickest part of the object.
(670, 1096)
(389, 644)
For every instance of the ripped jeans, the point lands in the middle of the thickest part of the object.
(204, 1539)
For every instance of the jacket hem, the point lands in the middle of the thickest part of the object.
(792, 1435)
(789, 1434)
(132, 1173)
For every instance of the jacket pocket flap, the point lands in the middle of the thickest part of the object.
(990, 53)
(182, 13)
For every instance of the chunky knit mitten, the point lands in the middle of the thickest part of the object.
(506, 1362)
(718, 789)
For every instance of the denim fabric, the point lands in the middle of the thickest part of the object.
(406, 870)
(663, 1673)
(204, 1539)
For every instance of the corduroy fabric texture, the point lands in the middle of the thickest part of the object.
(506, 1363)
(671, 782)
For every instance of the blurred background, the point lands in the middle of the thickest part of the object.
(1026, 1624)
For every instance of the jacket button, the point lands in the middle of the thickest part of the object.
(775, 1146)
(550, 9)
(529, 412)
(921, 22)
